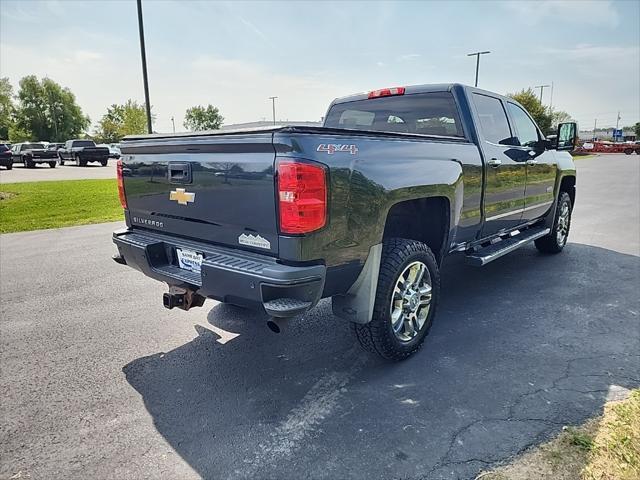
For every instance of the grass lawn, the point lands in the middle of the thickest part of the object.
(604, 448)
(38, 205)
(583, 157)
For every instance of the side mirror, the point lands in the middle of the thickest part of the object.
(567, 136)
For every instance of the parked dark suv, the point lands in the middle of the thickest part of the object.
(6, 160)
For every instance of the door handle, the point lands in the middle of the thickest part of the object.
(494, 162)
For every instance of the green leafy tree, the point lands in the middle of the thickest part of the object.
(200, 118)
(636, 130)
(46, 111)
(6, 108)
(529, 100)
(557, 117)
(122, 120)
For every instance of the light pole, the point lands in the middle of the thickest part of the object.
(477, 55)
(541, 87)
(173, 123)
(273, 107)
(144, 67)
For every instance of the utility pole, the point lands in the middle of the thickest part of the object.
(273, 106)
(541, 87)
(551, 101)
(477, 55)
(145, 79)
(595, 121)
(173, 123)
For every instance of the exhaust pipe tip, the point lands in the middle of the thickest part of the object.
(276, 325)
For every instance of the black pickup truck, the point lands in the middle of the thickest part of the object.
(30, 154)
(82, 152)
(362, 210)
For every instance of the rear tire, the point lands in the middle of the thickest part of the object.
(557, 239)
(52, 164)
(393, 335)
(103, 162)
(9, 166)
(628, 151)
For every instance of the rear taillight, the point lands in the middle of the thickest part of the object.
(387, 92)
(123, 199)
(302, 196)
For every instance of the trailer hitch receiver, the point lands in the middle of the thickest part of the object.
(182, 298)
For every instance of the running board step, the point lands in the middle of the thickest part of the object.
(490, 253)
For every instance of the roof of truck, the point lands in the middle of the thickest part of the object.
(413, 89)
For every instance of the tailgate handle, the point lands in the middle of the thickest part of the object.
(179, 172)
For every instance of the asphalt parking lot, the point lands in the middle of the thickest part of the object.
(43, 172)
(99, 381)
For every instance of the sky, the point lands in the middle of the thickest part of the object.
(236, 54)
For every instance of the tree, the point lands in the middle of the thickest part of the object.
(529, 100)
(203, 118)
(636, 130)
(121, 120)
(6, 108)
(46, 111)
(557, 117)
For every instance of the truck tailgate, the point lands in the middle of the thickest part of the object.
(217, 188)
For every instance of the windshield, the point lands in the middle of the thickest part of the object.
(423, 113)
(33, 146)
(84, 143)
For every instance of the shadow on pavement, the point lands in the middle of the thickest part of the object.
(519, 349)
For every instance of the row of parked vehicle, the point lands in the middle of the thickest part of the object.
(78, 152)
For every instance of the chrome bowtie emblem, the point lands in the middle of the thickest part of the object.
(181, 196)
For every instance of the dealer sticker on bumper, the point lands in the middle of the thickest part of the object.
(189, 260)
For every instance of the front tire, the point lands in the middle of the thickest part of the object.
(52, 164)
(406, 298)
(557, 239)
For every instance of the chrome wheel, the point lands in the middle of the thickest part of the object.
(562, 227)
(411, 301)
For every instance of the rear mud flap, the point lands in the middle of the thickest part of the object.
(357, 304)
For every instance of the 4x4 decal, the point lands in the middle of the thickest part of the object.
(332, 148)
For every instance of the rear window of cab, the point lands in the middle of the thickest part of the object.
(421, 113)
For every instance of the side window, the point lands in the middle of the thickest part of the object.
(493, 120)
(527, 131)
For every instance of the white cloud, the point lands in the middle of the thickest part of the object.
(239, 88)
(243, 88)
(81, 56)
(590, 12)
(408, 56)
(597, 53)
